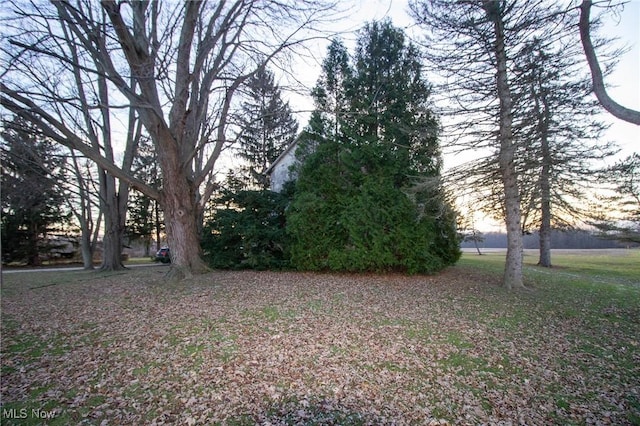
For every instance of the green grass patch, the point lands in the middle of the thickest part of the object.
(27, 346)
(457, 339)
(594, 267)
(463, 363)
(268, 314)
(193, 349)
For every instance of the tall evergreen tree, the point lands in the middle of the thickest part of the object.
(330, 100)
(267, 126)
(330, 93)
(389, 103)
(559, 138)
(368, 198)
(32, 192)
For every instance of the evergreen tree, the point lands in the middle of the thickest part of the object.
(267, 127)
(32, 192)
(330, 93)
(368, 198)
(331, 102)
(248, 229)
(389, 104)
(559, 138)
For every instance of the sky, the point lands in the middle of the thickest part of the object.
(624, 82)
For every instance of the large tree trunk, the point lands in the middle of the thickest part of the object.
(114, 204)
(179, 204)
(112, 240)
(513, 264)
(86, 250)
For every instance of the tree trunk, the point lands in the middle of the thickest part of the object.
(33, 252)
(84, 214)
(156, 214)
(545, 192)
(181, 211)
(475, 242)
(114, 221)
(86, 246)
(147, 246)
(86, 250)
(513, 264)
(112, 241)
(545, 235)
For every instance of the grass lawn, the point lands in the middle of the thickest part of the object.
(242, 348)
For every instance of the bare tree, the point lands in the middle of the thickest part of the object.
(85, 205)
(66, 97)
(179, 65)
(469, 43)
(599, 88)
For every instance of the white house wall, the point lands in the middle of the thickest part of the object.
(281, 172)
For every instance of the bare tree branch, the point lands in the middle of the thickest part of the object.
(57, 131)
(617, 110)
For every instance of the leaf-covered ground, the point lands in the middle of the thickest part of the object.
(293, 348)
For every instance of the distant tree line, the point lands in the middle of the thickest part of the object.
(572, 239)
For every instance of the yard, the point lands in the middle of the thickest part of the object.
(296, 348)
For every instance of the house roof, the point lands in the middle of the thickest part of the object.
(277, 161)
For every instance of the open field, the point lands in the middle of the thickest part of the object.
(295, 348)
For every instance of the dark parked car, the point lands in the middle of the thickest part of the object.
(163, 255)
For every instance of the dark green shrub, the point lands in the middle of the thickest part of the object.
(376, 228)
(248, 231)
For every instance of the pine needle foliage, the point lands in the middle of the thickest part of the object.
(248, 231)
(368, 195)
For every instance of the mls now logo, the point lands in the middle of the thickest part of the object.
(23, 413)
(14, 413)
